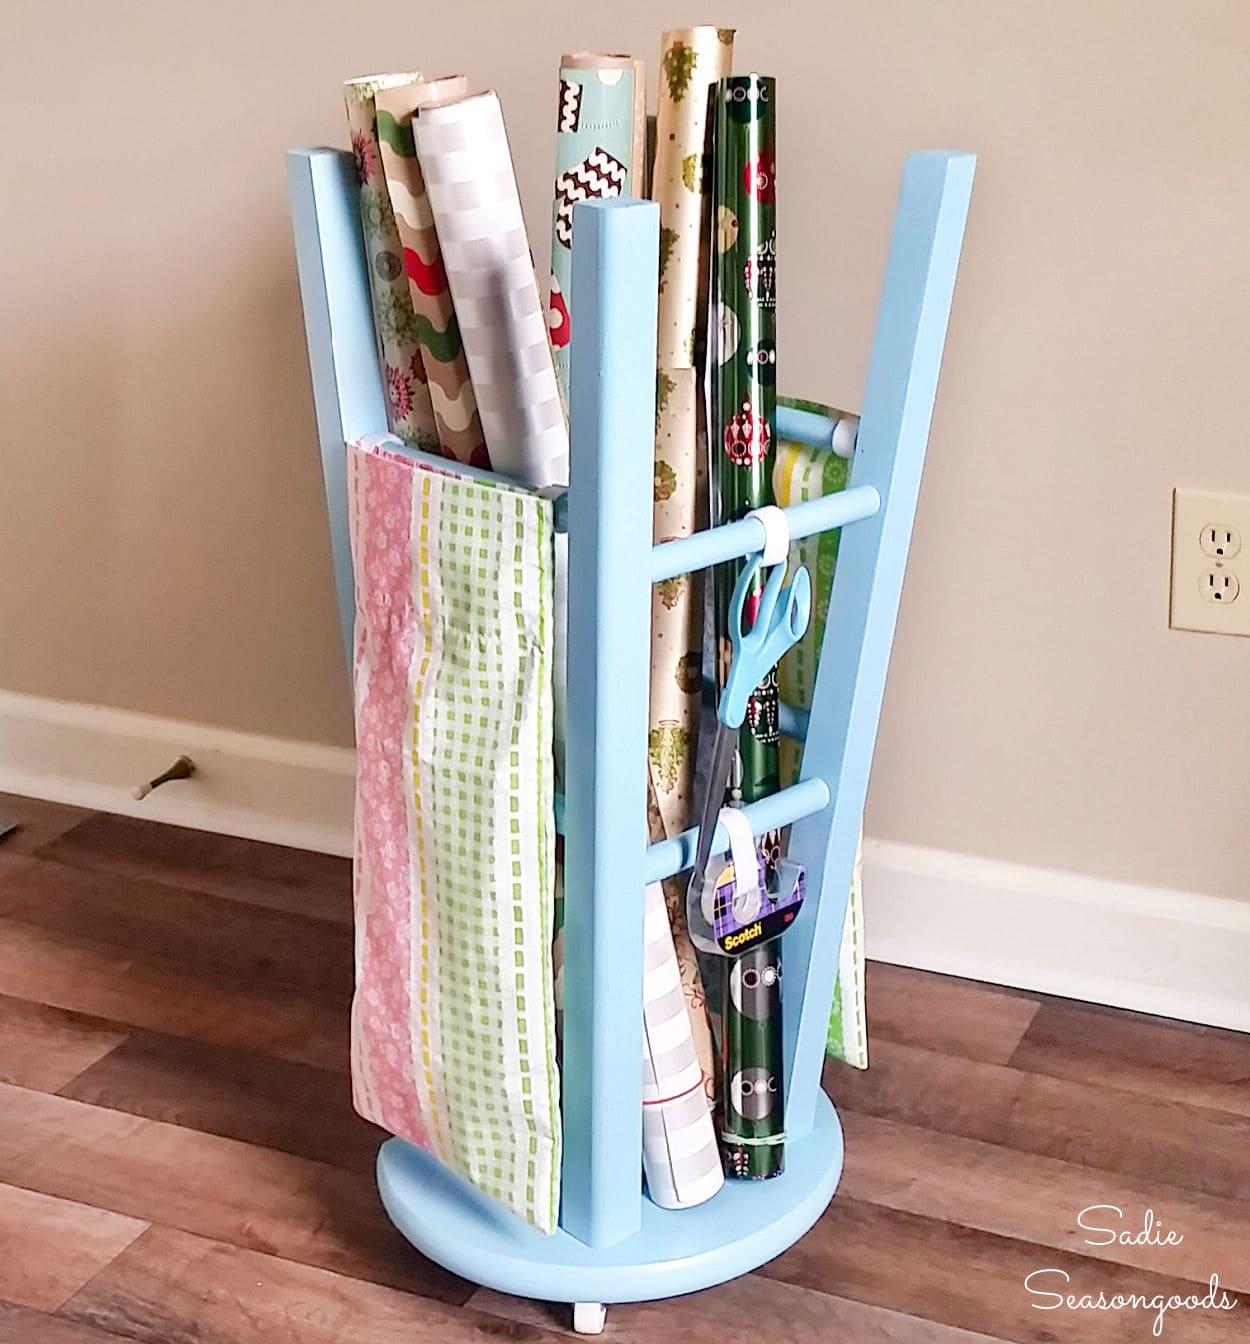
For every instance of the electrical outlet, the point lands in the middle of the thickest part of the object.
(1219, 541)
(1219, 585)
(1209, 570)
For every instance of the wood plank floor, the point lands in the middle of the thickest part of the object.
(180, 1162)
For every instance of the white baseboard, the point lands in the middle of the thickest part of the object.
(1175, 953)
(264, 788)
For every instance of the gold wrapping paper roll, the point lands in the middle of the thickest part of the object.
(691, 60)
(676, 604)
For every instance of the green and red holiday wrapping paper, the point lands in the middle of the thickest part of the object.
(409, 411)
(741, 421)
(452, 398)
(742, 347)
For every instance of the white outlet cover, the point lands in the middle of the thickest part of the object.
(1209, 552)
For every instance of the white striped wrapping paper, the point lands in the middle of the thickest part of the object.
(471, 187)
(679, 1152)
(463, 149)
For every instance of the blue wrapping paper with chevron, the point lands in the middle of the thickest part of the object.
(600, 151)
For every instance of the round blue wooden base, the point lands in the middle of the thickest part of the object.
(675, 1251)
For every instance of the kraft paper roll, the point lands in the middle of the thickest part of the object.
(600, 152)
(438, 334)
(691, 61)
(801, 473)
(742, 367)
(471, 185)
(409, 411)
(679, 1152)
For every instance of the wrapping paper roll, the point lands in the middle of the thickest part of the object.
(409, 411)
(472, 190)
(742, 362)
(679, 1152)
(438, 333)
(469, 179)
(600, 152)
(692, 984)
(802, 473)
(676, 604)
(691, 61)
(753, 1113)
(743, 358)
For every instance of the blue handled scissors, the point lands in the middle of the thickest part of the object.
(780, 622)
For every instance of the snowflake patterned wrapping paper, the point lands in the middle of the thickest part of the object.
(409, 411)
(453, 1020)
(601, 141)
(802, 473)
(438, 333)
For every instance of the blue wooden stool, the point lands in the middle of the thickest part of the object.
(613, 1244)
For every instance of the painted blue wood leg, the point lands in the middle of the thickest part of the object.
(850, 681)
(338, 322)
(612, 418)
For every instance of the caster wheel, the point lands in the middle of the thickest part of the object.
(589, 1318)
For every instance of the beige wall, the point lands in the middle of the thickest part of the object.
(161, 533)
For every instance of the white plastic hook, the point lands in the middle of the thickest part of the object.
(776, 534)
(845, 432)
(746, 897)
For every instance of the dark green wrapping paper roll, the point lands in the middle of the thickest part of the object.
(744, 374)
(741, 424)
(753, 1107)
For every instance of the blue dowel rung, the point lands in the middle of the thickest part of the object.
(779, 809)
(731, 541)
(792, 721)
(811, 428)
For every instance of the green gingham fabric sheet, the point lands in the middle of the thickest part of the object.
(453, 1021)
